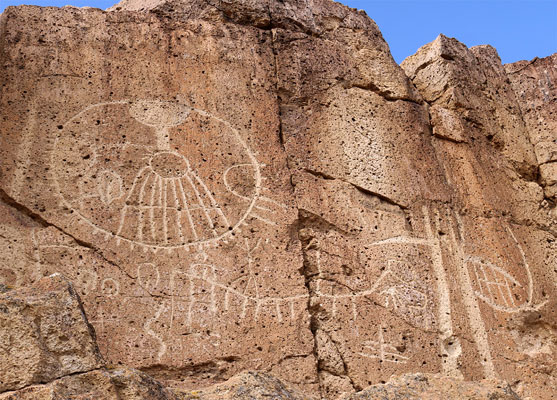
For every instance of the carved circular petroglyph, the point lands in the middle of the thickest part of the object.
(148, 276)
(157, 174)
(110, 287)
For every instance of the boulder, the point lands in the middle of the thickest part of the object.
(435, 387)
(44, 335)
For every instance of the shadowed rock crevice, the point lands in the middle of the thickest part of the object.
(306, 221)
(385, 94)
(214, 369)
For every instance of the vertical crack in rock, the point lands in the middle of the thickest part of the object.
(313, 324)
(304, 270)
(299, 221)
(314, 310)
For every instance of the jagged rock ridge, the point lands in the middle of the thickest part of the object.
(257, 185)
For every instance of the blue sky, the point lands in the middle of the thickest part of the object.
(518, 29)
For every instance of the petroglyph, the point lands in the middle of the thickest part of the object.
(110, 287)
(497, 287)
(174, 197)
(472, 309)
(382, 350)
(199, 288)
(495, 284)
(109, 187)
(199, 291)
(450, 364)
(148, 276)
(149, 330)
(398, 290)
(397, 287)
(101, 323)
(176, 172)
(266, 204)
(401, 296)
(164, 191)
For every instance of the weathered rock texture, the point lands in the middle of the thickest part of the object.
(257, 185)
(44, 335)
(71, 367)
(533, 83)
(49, 351)
(433, 387)
(248, 386)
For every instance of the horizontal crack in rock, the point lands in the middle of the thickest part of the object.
(363, 190)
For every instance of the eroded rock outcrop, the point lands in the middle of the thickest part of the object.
(433, 387)
(257, 185)
(49, 350)
(44, 335)
(533, 83)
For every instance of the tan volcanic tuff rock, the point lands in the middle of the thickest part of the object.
(248, 385)
(472, 84)
(534, 85)
(256, 185)
(44, 334)
(116, 384)
(49, 352)
(44, 299)
(435, 387)
(418, 249)
(502, 218)
(153, 167)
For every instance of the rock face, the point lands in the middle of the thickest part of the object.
(248, 386)
(49, 350)
(48, 319)
(257, 185)
(432, 387)
(44, 335)
(533, 83)
(117, 384)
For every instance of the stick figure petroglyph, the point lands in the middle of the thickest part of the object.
(199, 288)
(382, 350)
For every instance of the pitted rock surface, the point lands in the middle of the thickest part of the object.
(257, 185)
(434, 387)
(44, 335)
(115, 384)
(533, 83)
